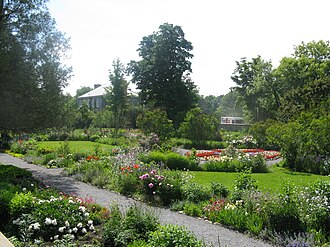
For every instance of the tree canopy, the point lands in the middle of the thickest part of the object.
(31, 74)
(163, 73)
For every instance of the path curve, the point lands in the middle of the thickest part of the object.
(210, 233)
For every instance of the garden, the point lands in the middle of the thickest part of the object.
(233, 185)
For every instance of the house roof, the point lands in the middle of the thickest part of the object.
(99, 91)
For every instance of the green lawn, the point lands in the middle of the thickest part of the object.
(75, 146)
(271, 182)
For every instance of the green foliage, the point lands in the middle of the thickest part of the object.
(173, 236)
(176, 161)
(313, 205)
(257, 164)
(121, 230)
(192, 209)
(257, 88)
(171, 160)
(219, 190)
(156, 122)
(310, 148)
(31, 70)
(194, 192)
(162, 187)
(198, 127)
(21, 203)
(282, 212)
(243, 183)
(162, 75)
(117, 94)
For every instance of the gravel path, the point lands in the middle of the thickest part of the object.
(210, 233)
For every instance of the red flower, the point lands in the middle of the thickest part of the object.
(136, 166)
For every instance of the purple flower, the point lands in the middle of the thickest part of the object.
(150, 185)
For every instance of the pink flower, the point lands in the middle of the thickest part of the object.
(150, 185)
(144, 176)
(153, 172)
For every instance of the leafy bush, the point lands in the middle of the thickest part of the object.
(309, 152)
(239, 163)
(198, 127)
(121, 230)
(161, 188)
(194, 192)
(192, 209)
(176, 161)
(171, 160)
(219, 190)
(21, 203)
(94, 138)
(156, 122)
(314, 206)
(173, 236)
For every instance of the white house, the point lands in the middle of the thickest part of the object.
(94, 99)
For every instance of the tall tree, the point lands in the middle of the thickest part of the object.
(117, 93)
(257, 88)
(209, 104)
(230, 106)
(163, 74)
(31, 74)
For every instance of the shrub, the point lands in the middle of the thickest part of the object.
(173, 236)
(194, 192)
(161, 188)
(21, 203)
(283, 216)
(171, 160)
(314, 206)
(121, 230)
(94, 138)
(7, 192)
(198, 127)
(176, 161)
(192, 209)
(155, 122)
(219, 190)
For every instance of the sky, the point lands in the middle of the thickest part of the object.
(221, 33)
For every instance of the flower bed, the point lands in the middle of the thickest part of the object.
(215, 154)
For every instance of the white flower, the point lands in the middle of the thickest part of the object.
(92, 228)
(79, 200)
(36, 226)
(82, 208)
(56, 237)
(84, 230)
(69, 231)
(24, 189)
(79, 225)
(86, 214)
(54, 222)
(72, 236)
(61, 229)
(37, 241)
(90, 222)
(32, 185)
(67, 224)
(75, 229)
(16, 222)
(48, 221)
(70, 201)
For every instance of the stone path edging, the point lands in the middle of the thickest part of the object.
(210, 233)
